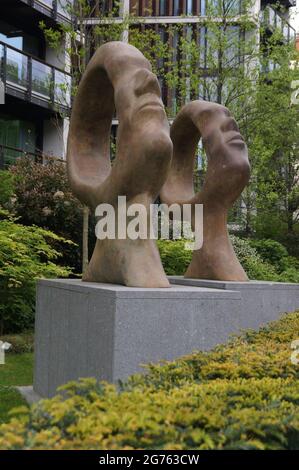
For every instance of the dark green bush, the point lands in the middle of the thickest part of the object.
(243, 395)
(7, 187)
(25, 255)
(175, 256)
(264, 260)
(44, 198)
(272, 252)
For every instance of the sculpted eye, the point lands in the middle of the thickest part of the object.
(146, 82)
(229, 124)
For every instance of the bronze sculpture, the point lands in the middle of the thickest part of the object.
(227, 174)
(119, 77)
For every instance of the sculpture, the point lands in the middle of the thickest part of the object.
(118, 76)
(227, 174)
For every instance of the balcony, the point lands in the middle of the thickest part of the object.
(55, 11)
(271, 20)
(32, 80)
(283, 3)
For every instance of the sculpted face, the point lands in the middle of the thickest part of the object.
(220, 134)
(137, 92)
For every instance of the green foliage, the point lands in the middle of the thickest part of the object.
(265, 260)
(175, 256)
(7, 187)
(273, 252)
(43, 197)
(255, 266)
(25, 255)
(242, 395)
(19, 343)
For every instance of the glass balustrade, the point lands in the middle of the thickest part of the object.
(49, 3)
(64, 7)
(16, 68)
(34, 77)
(41, 79)
(62, 89)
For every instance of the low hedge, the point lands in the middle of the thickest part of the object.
(242, 395)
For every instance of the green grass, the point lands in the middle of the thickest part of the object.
(17, 370)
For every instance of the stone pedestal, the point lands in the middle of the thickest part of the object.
(108, 331)
(261, 301)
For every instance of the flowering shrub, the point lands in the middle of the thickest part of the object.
(243, 395)
(44, 198)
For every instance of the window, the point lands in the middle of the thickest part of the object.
(189, 7)
(13, 36)
(16, 134)
(176, 8)
(163, 7)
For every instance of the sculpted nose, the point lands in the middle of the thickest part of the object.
(146, 82)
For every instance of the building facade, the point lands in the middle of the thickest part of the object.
(33, 116)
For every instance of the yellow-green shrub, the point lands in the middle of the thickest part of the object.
(243, 395)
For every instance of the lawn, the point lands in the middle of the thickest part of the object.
(18, 370)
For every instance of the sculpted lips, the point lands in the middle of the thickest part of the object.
(151, 104)
(235, 138)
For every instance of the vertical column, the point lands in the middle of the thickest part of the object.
(124, 12)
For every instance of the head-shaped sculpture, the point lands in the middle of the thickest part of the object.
(227, 174)
(119, 77)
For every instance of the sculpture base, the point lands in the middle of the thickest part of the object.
(261, 301)
(108, 331)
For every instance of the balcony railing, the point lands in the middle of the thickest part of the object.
(271, 20)
(59, 10)
(33, 80)
(8, 156)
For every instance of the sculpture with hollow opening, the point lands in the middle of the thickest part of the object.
(228, 172)
(151, 160)
(119, 77)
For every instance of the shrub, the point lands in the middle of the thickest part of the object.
(252, 262)
(272, 252)
(7, 187)
(25, 255)
(243, 395)
(44, 198)
(175, 256)
(20, 343)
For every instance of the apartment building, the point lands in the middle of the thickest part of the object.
(34, 116)
(33, 80)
